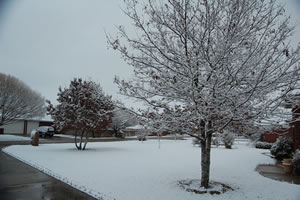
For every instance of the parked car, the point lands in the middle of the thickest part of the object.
(45, 131)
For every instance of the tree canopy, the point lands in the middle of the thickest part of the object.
(202, 66)
(82, 107)
(18, 100)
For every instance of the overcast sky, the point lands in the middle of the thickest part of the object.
(47, 43)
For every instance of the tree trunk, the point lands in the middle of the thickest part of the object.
(86, 139)
(79, 146)
(205, 162)
(205, 157)
(81, 136)
(76, 144)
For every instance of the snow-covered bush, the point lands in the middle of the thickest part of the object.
(196, 142)
(228, 140)
(215, 141)
(296, 162)
(263, 145)
(142, 133)
(282, 148)
(141, 137)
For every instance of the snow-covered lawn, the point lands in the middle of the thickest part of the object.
(13, 138)
(134, 170)
(90, 138)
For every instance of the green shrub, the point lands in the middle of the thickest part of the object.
(296, 162)
(282, 148)
(263, 145)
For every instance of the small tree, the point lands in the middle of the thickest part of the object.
(18, 101)
(121, 119)
(82, 107)
(201, 65)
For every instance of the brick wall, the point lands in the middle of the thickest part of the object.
(271, 136)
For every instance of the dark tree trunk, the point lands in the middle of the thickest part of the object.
(79, 146)
(81, 136)
(86, 139)
(205, 157)
(76, 144)
(205, 162)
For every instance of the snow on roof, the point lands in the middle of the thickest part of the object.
(136, 127)
(46, 118)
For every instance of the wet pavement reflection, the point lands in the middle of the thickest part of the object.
(277, 173)
(21, 181)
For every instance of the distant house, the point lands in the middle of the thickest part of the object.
(25, 126)
(134, 130)
(140, 129)
(293, 131)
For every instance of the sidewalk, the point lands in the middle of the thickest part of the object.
(277, 173)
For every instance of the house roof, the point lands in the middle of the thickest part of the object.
(45, 118)
(136, 127)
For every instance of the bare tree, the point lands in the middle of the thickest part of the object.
(82, 107)
(201, 65)
(18, 101)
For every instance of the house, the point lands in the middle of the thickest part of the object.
(293, 131)
(134, 130)
(271, 136)
(25, 126)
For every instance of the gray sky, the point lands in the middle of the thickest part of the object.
(47, 43)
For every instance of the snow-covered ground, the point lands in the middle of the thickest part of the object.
(13, 138)
(171, 136)
(64, 136)
(134, 170)
(90, 138)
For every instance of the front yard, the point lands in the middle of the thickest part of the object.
(135, 170)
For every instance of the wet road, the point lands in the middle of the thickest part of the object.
(19, 181)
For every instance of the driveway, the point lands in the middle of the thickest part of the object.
(21, 181)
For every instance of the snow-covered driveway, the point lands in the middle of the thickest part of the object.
(6, 138)
(134, 170)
